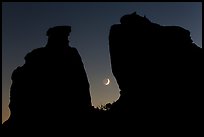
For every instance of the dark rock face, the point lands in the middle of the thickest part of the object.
(51, 87)
(158, 68)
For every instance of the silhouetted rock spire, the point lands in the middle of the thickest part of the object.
(158, 68)
(51, 87)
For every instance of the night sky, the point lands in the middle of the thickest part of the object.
(24, 27)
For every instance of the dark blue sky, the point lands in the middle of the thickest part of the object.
(24, 26)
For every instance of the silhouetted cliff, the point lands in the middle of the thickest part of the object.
(158, 69)
(51, 88)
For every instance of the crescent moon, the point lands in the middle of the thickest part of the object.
(108, 82)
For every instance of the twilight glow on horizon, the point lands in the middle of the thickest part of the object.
(24, 26)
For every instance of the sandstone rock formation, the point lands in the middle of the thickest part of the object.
(158, 69)
(51, 87)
